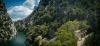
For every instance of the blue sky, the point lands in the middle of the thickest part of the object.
(10, 3)
(20, 9)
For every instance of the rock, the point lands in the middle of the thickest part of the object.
(7, 28)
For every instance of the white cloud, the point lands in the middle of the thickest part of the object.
(29, 3)
(22, 11)
(19, 12)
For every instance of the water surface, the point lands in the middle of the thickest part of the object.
(19, 40)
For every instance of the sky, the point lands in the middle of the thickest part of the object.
(20, 9)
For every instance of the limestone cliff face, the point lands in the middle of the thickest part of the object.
(7, 29)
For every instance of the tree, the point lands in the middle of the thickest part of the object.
(84, 25)
(70, 26)
(54, 43)
(34, 32)
(66, 38)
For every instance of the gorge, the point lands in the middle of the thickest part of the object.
(53, 23)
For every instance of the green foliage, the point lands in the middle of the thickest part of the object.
(63, 17)
(66, 38)
(39, 30)
(63, 38)
(7, 30)
(84, 25)
(70, 26)
(55, 43)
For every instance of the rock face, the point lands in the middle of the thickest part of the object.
(7, 29)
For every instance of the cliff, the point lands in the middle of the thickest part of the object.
(7, 29)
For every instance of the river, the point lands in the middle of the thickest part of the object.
(19, 40)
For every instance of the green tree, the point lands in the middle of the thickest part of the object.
(70, 26)
(66, 38)
(55, 43)
(34, 32)
(84, 25)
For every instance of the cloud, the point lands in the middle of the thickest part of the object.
(19, 12)
(22, 11)
(29, 3)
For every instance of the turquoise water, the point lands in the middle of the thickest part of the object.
(19, 40)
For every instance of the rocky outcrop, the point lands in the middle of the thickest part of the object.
(7, 28)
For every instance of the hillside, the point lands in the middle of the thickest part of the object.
(52, 18)
(7, 30)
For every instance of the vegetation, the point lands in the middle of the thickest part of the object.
(6, 29)
(66, 38)
(61, 19)
(54, 22)
(6, 26)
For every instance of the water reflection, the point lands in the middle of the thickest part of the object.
(19, 40)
